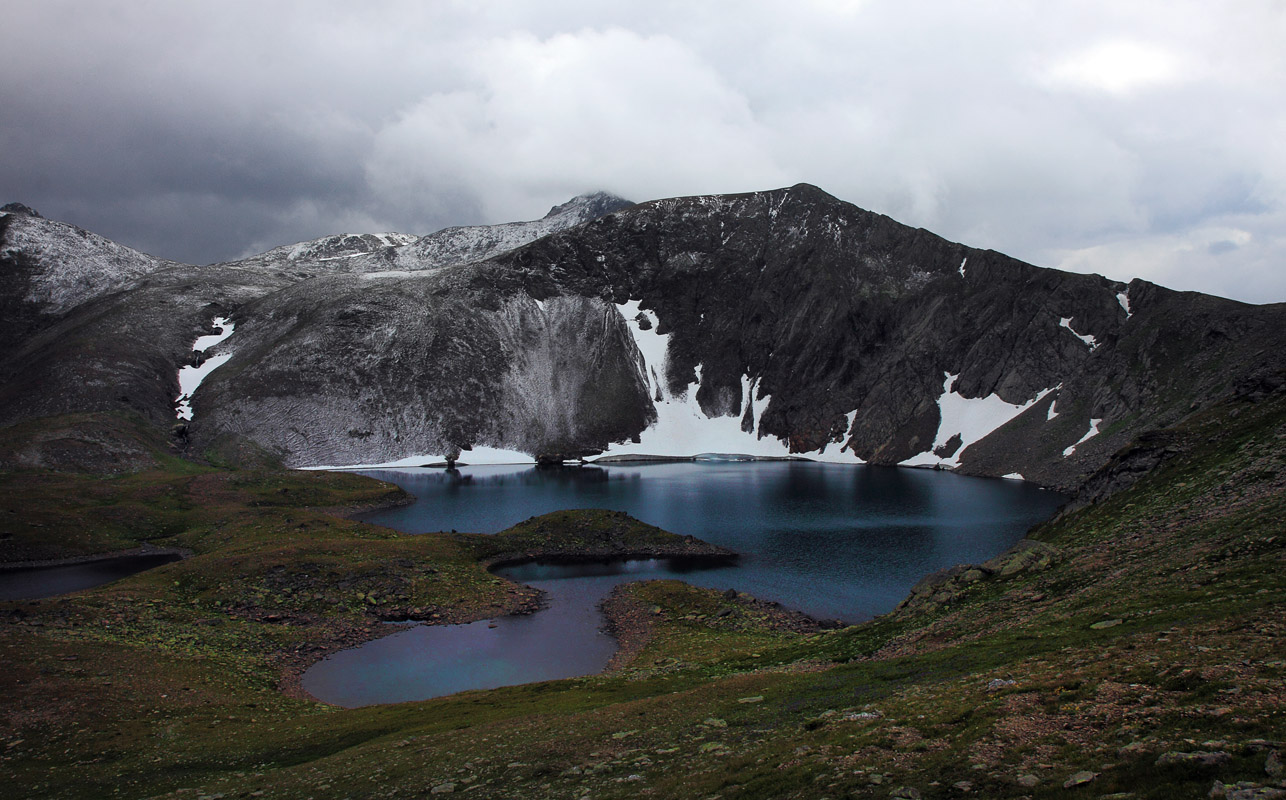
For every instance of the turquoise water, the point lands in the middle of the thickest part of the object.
(835, 541)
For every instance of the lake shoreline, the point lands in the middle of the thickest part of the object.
(142, 550)
(587, 536)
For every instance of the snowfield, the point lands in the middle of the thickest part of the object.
(190, 377)
(1066, 322)
(682, 429)
(973, 418)
(1090, 434)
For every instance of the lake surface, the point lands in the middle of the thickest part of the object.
(36, 582)
(835, 541)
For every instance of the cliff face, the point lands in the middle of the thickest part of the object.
(787, 320)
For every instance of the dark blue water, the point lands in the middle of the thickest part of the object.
(36, 582)
(835, 541)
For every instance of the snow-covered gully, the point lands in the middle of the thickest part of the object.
(190, 377)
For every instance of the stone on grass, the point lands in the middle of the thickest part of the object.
(1197, 758)
(1080, 779)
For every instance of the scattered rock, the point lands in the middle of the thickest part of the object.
(1107, 623)
(857, 716)
(759, 698)
(996, 684)
(1028, 555)
(1079, 779)
(443, 788)
(1244, 790)
(1273, 766)
(1028, 780)
(905, 793)
(1198, 758)
(963, 786)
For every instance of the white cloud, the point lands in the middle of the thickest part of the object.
(1118, 66)
(543, 119)
(1107, 136)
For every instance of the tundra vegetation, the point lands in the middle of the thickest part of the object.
(1131, 648)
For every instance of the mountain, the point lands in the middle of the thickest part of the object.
(772, 323)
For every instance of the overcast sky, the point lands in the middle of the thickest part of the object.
(1126, 138)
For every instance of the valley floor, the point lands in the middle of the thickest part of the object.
(1138, 655)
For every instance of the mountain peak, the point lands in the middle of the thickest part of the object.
(590, 205)
(19, 208)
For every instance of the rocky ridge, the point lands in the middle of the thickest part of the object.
(798, 322)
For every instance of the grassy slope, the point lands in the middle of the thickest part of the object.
(170, 681)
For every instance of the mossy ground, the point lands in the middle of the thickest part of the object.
(169, 683)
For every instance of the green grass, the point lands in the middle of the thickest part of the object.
(173, 680)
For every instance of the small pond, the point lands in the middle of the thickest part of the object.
(835, 541)
(32, 583)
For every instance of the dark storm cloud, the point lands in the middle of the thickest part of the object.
(1127, 139)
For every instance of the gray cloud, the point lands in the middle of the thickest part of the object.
(1126, 139)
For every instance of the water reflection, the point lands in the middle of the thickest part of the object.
(36, 582)
(834, 541)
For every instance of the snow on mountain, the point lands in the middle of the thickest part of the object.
(1090, 341)
(970, 419)
(1090, 434)
(462, 245)
(393, 253)
(192, 375)
(773, 323)
(683, 428)
(66, 265)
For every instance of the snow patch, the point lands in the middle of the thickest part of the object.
(682, 429)
(190, 377)
(391, 273)
(849, 419)
(1091, 433)
(1052, 413)
(225, 326)
(1013, 476)
(962, 265)
(1124, 299)
(973, 418)
(1066, 322)
(478, 456)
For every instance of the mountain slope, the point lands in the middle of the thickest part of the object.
(788, 320)
(376, 252)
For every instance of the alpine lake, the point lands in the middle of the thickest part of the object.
(837, 542)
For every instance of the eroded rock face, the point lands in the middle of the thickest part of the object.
(803, 318)
(553, 378)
